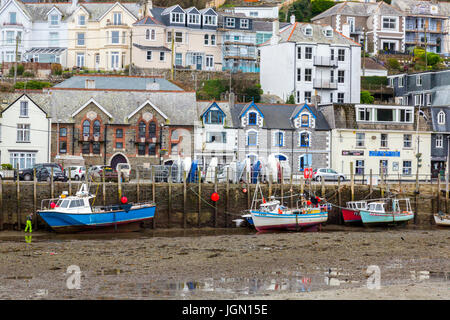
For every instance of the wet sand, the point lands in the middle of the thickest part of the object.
(229, 264)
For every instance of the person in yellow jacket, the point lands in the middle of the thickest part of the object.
(29, 220)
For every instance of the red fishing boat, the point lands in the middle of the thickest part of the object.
(351, 212)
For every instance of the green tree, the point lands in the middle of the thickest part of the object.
(254, 92)
(301, 9)
(212, 89)
(291, 99)
(319, 6)
(366, 97)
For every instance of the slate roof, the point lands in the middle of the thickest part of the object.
(267, 26)
(278, 116)
(440, 127)
(441, 96)
(117, 83)
(160, 48)
(361, 9)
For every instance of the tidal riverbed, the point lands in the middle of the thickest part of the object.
(337, 263)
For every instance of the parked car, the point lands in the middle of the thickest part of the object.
(96, 173)
(327, 174)
(75, 172)
(27, 174)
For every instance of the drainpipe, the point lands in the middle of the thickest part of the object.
(49, 152)
(73, 138)
(104, 144)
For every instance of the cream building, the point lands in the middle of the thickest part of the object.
(176, 36)
(381, 139)
(99, 34)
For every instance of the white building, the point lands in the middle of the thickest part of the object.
(261, 12)
(308, 60)
(25, 133)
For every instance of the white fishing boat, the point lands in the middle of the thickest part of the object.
(442, 219)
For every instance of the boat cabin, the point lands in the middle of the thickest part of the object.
(357, 205)
(377, 206)
(271, 206)
(74, 205)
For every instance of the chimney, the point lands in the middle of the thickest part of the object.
(73, 6)
(346, 30)
(275, 32)
(149, 7)
(89, 84)
(292, 19)
(152, 86)
(231, 100)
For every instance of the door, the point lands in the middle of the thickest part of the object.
(198, 62)
(114, 60)
(384, 168)
(116, 160)
(97, 61)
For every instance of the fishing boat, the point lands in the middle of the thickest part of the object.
(351, 214)
(442, 219)
(68, 214)
(387, 211)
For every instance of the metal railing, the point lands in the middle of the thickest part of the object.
(325, 62)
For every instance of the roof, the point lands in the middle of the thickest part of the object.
(372, 64)
(440, 127)
(160, 48)
(278, 116)
(362, 9)
(117, 83)
(414, 7)
(267, 26)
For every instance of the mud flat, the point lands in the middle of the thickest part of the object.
(229, 264)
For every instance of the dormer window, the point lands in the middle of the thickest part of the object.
(193, 18)
(82, 20)
(252, 118)
(229, 22)
(244, 23)
(418, 80)
(24, 108)
(150, 34)
(328, 33)
(308, 31)
(304, 120)
(177, 17)
(117, 18)
(214, 117)
(441, 117)
(54, 19)
(210, 20)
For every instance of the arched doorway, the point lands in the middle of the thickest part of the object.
(116, 159)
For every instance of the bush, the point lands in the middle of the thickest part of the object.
(366, 97)
(56, 69)
(212, 89)
(20, 70)
(254, 92)
(6, 87)
(7, 166)
(32, 85)
(393, 64)
(291, 99)
(28, 74)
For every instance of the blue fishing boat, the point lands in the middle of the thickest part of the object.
(75, 214)
(388, 211)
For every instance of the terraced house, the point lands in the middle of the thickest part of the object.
(296, 134)
(179, 37)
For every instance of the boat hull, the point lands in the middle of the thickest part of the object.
(351, 216)
(370, 217)
(442, 221)
(109, 221)
(273, 221)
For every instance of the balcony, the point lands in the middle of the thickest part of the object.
(91, 137)
(324, 62)
(16, 24)
(324, 84)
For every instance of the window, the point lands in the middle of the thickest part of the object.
(331, 76)
(253, 13)
(214, 117)
(439, 141)
(86, 148)
(299, 74)
(194, 19)
(10, 38)
(308, 75)
(308, 31)
(400, 81)
(340, 98)
(406, 115)
(152, 130)
(63, 132)
(162, 56)
(219, 137)
(119, 133)
(364, 114)
(82, 20)
(178, 59)
(22, 160)
(328, 33)
(23, 132)
(169, 36)
(86, 127)
(308, 96)
(179, 37)
(54, 19)
(383, 167)
(418, 80)
(304, 161)
(80, 39)
(279, 139)
(117, 18)
(149, 55)
(53, 39)
(332, 54)
(304, 139)
(299, 52)
(441, 117)
(252, 138)
(209, 62)
(418, 100)
(359, 167)
(152, 149)
(115, 37)
(244, 23)
(304, 120)
(24, 108)
(360, 139)
(308, 53)
(252, 116)
(407, 141)
(141, 149)
(407, 167)
(119, 145)
(142, 127)
(210, 20)
(341, 55)
(150, 34)
(389, 23)
(206, 39)
(96, 147)
(341, 77)
(63, 147)
(176, 17)
(428, 99)
(229, 22)
(96, 128)
(213, 39)
(384, 140)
